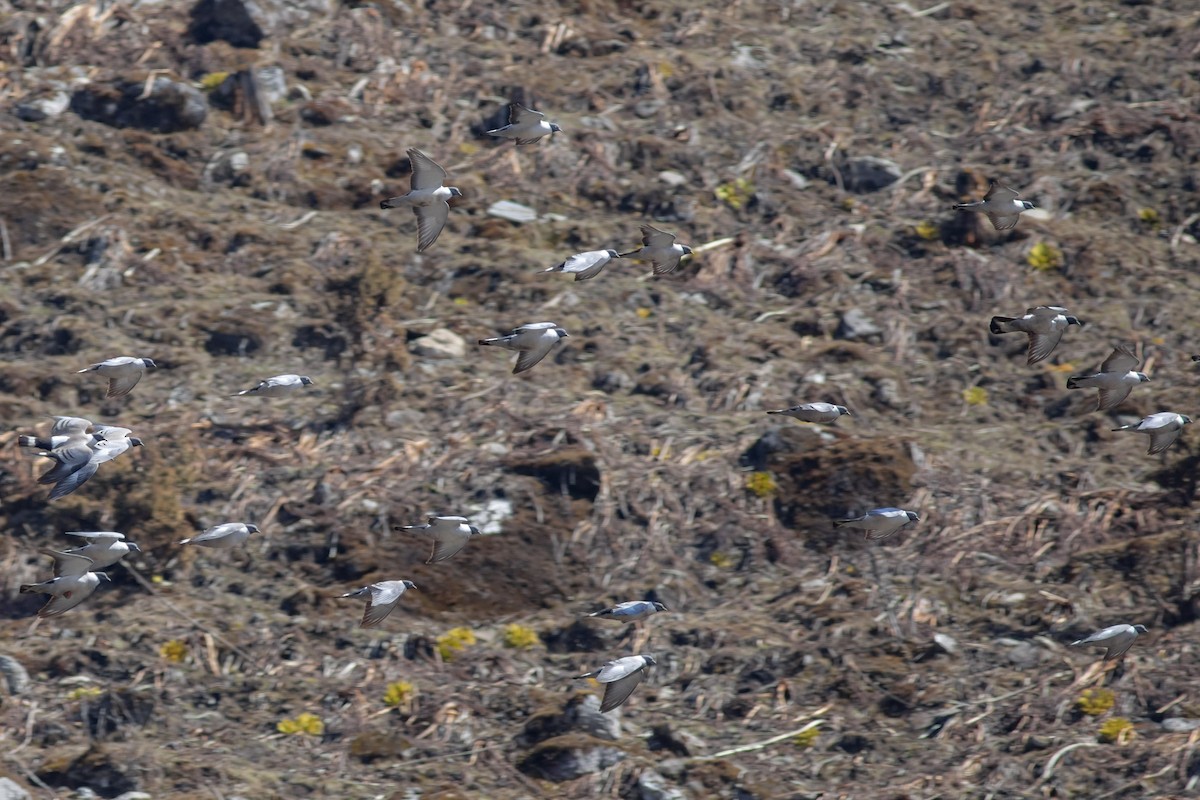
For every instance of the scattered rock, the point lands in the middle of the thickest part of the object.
(168, 107)
(681, 743)
(16, 678)
(569, 470)
(565, 758)
(11, 791)
(94, 768)
(513, 212)
(374, 745)
(856, 324)
(441, 343)
(868, 174)
(580, 714)
(239, 22)
(652, 786)
(42, 108)
(1171, 725)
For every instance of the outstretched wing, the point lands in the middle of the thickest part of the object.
(430, 221)
(426, 173)
(653, 237)
(618, 691)
(447, 544)
(1121, 360)
(1041, 345)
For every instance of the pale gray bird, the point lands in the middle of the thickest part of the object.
(381, 597)
(73, 582)
(525, 125)
(879, 523)
(277, 386)
(814, 412)
(1117, 638)
(1163, 429)
(123, 373)
(659, 248)
(224, 536)
(1115, 380)
(427, 198)
(1044, 325)
(77, 459)
(450, 534)
(1001, 206)
(630, 611)
(586, 265)
(105, 548)
(61, 432)
(620, 677)
(533, 341)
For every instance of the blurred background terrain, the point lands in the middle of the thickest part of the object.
(199, 183)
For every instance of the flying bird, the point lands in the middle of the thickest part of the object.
(382, 598)
(73, 582)
(879, 523)
(1117, 639)
(586, 265)
(533, 341)
(1045, 326)
(123, 373)
(659, 248)
(105, 548)
(1001, 206)
(525, 125)
(62, 431)
(277, 386)
(1115, 380)
(620, 677)
(77, 459)
(814, 412)
(450, 534)
(631, 611)
(427, 198)
(224, 536)
(1163, 429)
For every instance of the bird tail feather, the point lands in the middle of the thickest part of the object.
(997, 324)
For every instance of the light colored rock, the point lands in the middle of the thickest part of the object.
(11, 791)
(652, 786)
(513, 212)
(441, 343)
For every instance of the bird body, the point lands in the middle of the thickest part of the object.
(382, 598)
(814, 412)
(533, 341)
(277, 386)
(879, 523)
(1001, 206)
(1115, 380)
(73, 582)
(123, 373)
(105, 548)
(1044, 325)
(427, 197)
(659, 248)
(77, 459)
(450, 534)
(525, 125)
(1116, 638)
(586, 265)
(631, 611)
(224, 536)
(1163, 429)
(620, 677)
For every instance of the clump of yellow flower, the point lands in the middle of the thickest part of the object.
(85, 693)
(761, 484)
(174, 651)
(975, 396)
(1117, 730)
(807, 738)
(927, 231)
(736, 193)
(1095, 702)
(212, 80)
(305, 723)
(1044, 257)
(399, 693)
(454, 640)
(519, 637)
(720, 560)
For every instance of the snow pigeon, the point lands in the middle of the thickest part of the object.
(586, 265)
(105, 548)
(1115, 380)
(620, 677)
(78, 458)
(277, 386)
(1117, 638)
(450, 534)
(1044, 325)
(73, 582)
(427, 198)
(1001, 206)
(123, 373)
(533, 341)
(631, 611)
(1163, 429)
(224, 536)
(879, 523)
(525, 125)
(659, 248)
(814, 412)
(381, 597)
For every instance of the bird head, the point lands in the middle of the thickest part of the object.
(843, 410)
(615, 254)
(104, 575)
(409, 584)
(660, 607)
(650, 662)
(1074, 321)
(1140, 628)
(135, 441)
(562, 334)
(687, 251)
(912, 517)
(305, 380)
(454, 192)
(475, 531)
(1142, 378)
(134, 547)
(1026, 205)
(252, 528)
(148, 362)
(1186, 419)
(554, 128)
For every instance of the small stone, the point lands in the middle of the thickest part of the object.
(946, 643)
(169, 106)
(234, 21)
(565, 758)
(857, 325)
(652, 786)
(672, 178)
(11, 791)
(43, 107)
(1180, 725)
(513, 212)
(441, 343)
(867, 174)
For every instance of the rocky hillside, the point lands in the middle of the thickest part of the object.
(199, 183)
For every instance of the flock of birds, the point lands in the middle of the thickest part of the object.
(78, 447)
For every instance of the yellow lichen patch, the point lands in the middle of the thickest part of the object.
(720, 560)
(399, 693)
(212, 80)
(807, 738)
(1150, 218)
(1117, 730)
(519, 637)
(1044, 257)
(736, 193)
(1095, 702)
(761, 484)
(452, 641)
(975, 396)
(305, 723)
(84, 693)
(643, 312)
(174, 651)
(927, 231)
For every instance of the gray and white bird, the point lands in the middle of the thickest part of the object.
(630, 611)
(1001, 206)
(73, 582)
(450, 534)
(277, 386)
(61, 432)
(814, 412)
(428, 198)
(78, 458)
(1117, 639)
(224, 536)
(1044, 325)
(879, 523)
(105, 548)
(620, 677)
(382, 598)
(1163, 429)
(586, 265)
(659, 248)
(533, 341)
(525, 125)
(123, 373)
(1115, 380)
